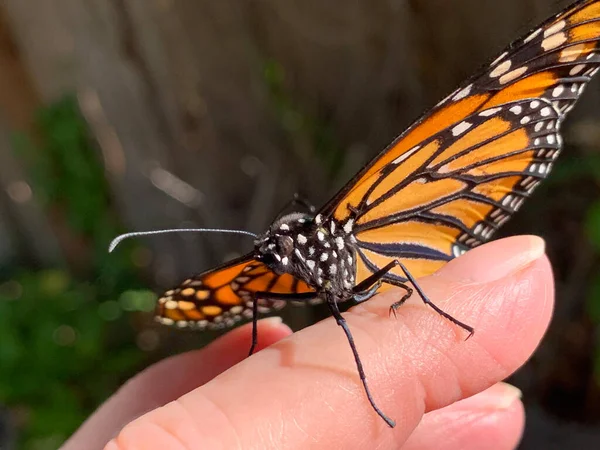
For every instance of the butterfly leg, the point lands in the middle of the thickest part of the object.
(368, 287)
(333, 307)
(259, 295)
(426, 300)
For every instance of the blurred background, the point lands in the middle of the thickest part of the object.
(121, 115)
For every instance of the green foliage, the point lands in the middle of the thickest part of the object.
(66, 342)
(300, 125)
(58, 358)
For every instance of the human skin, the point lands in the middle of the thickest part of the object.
(302, 390)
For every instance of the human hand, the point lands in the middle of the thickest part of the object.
(304, 392)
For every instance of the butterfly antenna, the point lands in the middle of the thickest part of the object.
(116, 241)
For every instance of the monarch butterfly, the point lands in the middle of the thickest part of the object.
(441, 188)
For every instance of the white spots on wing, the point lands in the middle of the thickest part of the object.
(539, 126)
(332, 227)
(501, 69)
(576, 69)
(545, 112)
(333, 269)
(558, 90)
(348, 226)
(490, 112)
(499, 58)
(532, 36)
(405, 155)
(166, 320)
(525, 120)
(463, 93)
(550, 43)
(592, 72)
(339, 241)
(536, 142)
(534, 104)
(284, 226)
(542, 169)
(571, 53)
(517, 109)
(510, 76)
(590, 56)
(461, 128)
(550, 125)
(301, 239)
(551, 139)
(555, 28)
(310, 264)
(324, 256)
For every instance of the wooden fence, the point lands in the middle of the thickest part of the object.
(213, 112)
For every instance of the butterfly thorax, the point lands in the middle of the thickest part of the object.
(321, 253)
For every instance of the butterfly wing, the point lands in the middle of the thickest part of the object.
(223, 296)
(458, 173)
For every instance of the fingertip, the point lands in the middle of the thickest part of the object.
(494, 260)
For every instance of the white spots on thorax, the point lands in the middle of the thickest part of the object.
(490, 112)
(463, 93)
(532, 36)
(311, 251)
(301, 239)
(405, 155)
(332, 227)
(318, 219)
(339, 242)
(284, 227)
(348, 226)
(320, 235)
(284, 260)
(324, 256)
(553, 41)
(332, 269)
(501, 69)
(461, 128)
(510, 76)
(310, 264)
(277, 257)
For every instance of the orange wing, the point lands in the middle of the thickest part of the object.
(223, 296)
(459, 172)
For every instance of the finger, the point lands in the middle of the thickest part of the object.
(171, 378)
(493, 419)
(304, 390)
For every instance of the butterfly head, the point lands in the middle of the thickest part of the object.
(276, 247)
